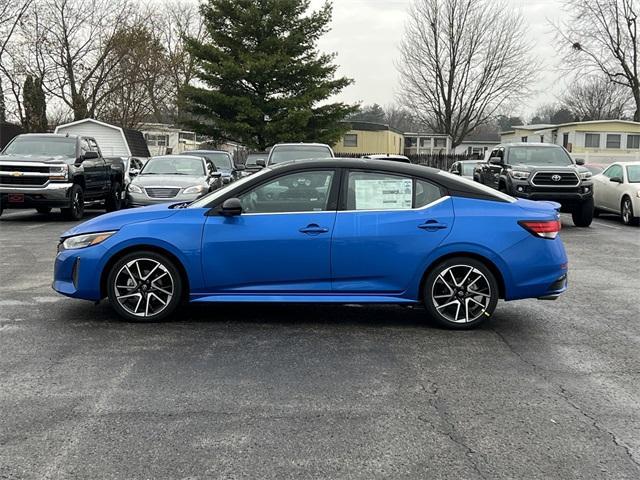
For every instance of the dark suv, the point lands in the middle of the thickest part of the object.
(540, 171)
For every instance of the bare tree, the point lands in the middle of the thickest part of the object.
(597, 98)
(462, 61)
(602, 36)
(11, 14)
(79, 51)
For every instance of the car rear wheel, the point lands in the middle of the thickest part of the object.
(144, 287)
(626, 210)
(460, 293)
(75, 211)
(582, 215)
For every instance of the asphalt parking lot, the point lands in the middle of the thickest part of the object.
(545, 390)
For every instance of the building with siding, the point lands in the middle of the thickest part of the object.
(165, 139)
(421, 143)
(113, 141)
(477, 144)
(369, 137)
(526, 133)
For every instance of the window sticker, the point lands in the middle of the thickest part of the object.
(383, 194)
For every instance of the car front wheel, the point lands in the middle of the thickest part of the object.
(144, 287)
(460, 293)
(75, 211)
(583, 214)
(627, 213)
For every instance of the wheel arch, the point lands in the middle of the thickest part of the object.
(148, 248)
(493, 268)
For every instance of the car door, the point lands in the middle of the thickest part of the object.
(91, 170)
(385, 229)
(612, 191)
(103, 182)
(281, 242)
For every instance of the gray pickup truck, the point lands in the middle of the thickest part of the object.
(45, 171)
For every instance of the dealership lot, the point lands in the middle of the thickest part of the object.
(545, 389)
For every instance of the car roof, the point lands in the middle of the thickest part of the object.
(178, 155)
(469, 161)
(528, 144)
(626, 164)
(189, 152)
(52, 135)
(300, 144)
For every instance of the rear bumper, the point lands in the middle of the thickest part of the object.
(50, 195)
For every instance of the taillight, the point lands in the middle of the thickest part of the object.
(543, 229)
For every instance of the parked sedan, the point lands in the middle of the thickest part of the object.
(223, 162)
(323, 231)
(617, 190)
(464, 168)
(172, 178)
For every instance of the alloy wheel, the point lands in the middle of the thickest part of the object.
(626, 211)
(144, 287)
(461, 293)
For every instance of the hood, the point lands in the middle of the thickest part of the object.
(181, 181)
(117, 220)
(35, 158)
(548, 168)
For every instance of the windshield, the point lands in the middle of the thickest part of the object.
(286, 153)
(220, 159)
(538, 156)
(174, 166)
(467, 168)
(633, 172)
(207, 199)
(42, 146)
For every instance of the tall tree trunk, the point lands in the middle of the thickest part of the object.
(3, 115)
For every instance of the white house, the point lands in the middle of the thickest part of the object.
(164, 139)
(113, 141)
(477, 144)
(426, 143)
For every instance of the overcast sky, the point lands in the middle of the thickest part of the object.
(366, 33)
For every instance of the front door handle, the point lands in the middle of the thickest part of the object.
(313, 229)
(432, 225)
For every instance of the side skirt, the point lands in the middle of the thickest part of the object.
(292, 298)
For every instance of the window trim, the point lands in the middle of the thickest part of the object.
(332, 202)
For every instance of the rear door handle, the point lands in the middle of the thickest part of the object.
(432, 225)
(313, 229)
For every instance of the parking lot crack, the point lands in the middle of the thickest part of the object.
(565, 395)
(450, 430)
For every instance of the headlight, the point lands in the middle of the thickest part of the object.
(86, 240)
(59, 172)
(134, 188)
(585, 175)
(195, 189)
(519, 174)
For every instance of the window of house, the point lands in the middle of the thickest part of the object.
(592, 140)
(296, 192)
(613, 140)
(441, 143)
(350, 140)
(425, 142)
(187, 136)
(156, 140)
(523, 139)
(633, 141)
(410, 142)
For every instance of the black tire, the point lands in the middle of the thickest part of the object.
(75, 211)
(114, 200)
(583, 214)
(440, 299)
(43, 210)
(627, 213)
(144, 290)
(503, 187)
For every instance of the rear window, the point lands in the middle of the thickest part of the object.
(287, 153)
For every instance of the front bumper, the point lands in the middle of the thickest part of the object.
(563, 195)
(52, 194)
(142, 199)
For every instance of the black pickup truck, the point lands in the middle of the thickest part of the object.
(45, 171)
(540, 171)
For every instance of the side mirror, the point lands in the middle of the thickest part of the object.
(615, 179)
(231, 207)
(496, 161)
(261, 163)
(579, 161)
(133, 172)
(89, 156)
(240, 167)
(215, 174)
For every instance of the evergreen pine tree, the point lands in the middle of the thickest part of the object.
(265, 81)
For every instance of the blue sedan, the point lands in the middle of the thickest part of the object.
(334, 231)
